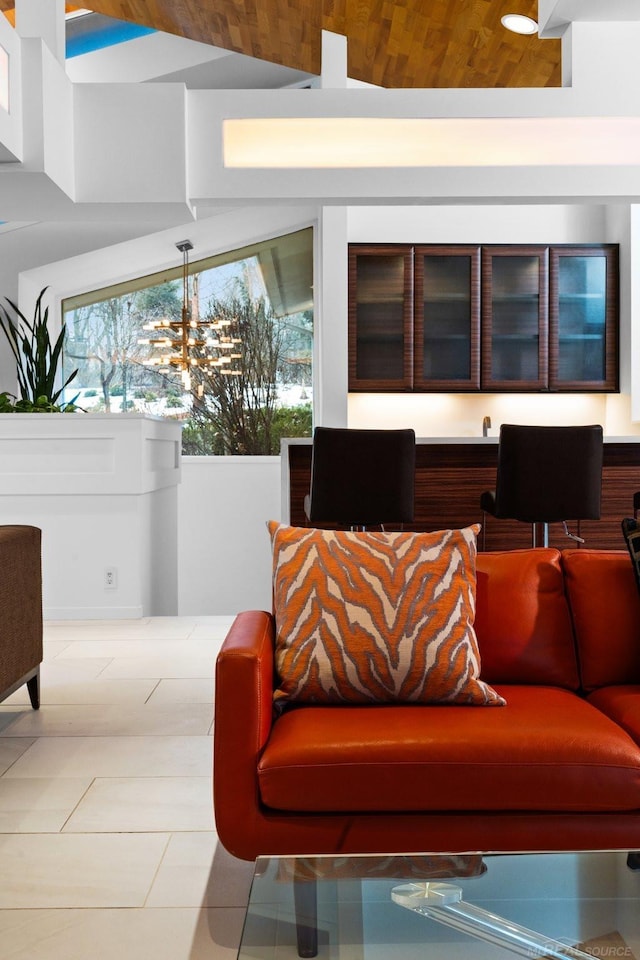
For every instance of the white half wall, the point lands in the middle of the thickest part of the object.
(224, 553)
(103, 490)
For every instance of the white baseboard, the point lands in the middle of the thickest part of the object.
(92, 613)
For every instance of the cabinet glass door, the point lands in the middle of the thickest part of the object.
(447, 319)
(514, 318)
(380, 318)
(582, 327)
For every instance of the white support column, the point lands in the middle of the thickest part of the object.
(333, 61)
(43, 19)
(634, 308)
(331, 340)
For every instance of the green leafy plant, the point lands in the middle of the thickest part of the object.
(9, 404)
(37, 361)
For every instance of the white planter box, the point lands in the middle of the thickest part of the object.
(103, 489)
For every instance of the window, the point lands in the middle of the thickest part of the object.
(263, 293)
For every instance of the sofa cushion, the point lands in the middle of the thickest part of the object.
(523, 624)
(547, 750)
(367, 617)
(621, 704)
(605, 606)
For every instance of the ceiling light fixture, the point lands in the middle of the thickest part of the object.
(518, 23)
(192, 343)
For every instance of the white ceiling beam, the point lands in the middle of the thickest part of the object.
(555, 15)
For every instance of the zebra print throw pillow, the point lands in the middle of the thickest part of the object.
(364, 617)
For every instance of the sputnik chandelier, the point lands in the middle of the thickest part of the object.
(182, 344)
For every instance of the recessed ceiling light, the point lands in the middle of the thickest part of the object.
(518, 23)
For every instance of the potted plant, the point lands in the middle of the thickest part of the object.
(37, 361)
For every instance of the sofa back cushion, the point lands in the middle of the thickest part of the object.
(605, 606)
(523, 623)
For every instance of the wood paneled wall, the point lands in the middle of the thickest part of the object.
(450, 478)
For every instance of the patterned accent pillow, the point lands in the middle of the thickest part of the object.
(376, 617)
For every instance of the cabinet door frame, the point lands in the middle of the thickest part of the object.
(471, 383)
(488, 381)
(609, 383)
(362, 384)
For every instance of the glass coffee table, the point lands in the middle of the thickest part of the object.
(562, 905)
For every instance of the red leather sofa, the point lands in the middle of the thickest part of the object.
(557, 768)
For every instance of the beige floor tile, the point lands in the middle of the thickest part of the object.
(51, 648)
(144, 803)
(160, 667)
(89, 692)
(214, 628)
(107, 720)
(113, 757)
(196, 870)
(136, 648)
(12, 750)
(9, 716)
(181, 691)
(166, 628)
(38, 806)
(189, 934)
(67, 870)
(78, 681)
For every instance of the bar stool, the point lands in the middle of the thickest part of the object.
(361, 478)
(546, 475)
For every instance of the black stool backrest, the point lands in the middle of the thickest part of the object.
(362, 477)
(548, 474)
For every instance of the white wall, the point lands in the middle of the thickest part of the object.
(478, 223)
(224, 554)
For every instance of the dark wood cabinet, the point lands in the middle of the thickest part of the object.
(381, 318)
(583, 318)
(494, 318)
(447, 318)
(515, 318)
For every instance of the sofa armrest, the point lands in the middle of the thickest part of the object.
(242, 723)
(20, 603)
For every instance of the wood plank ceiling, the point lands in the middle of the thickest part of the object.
(391, 43)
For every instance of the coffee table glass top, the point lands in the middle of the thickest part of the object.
(562, 905)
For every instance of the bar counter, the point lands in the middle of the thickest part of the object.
(451, 474)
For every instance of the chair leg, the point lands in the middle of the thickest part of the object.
(305, 896)
(540, 530)
(33, 686)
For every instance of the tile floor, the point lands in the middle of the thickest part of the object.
(107, 840)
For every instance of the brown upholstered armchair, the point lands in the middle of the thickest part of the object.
(20, 610)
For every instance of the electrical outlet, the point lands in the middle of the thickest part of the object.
(111, 578)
